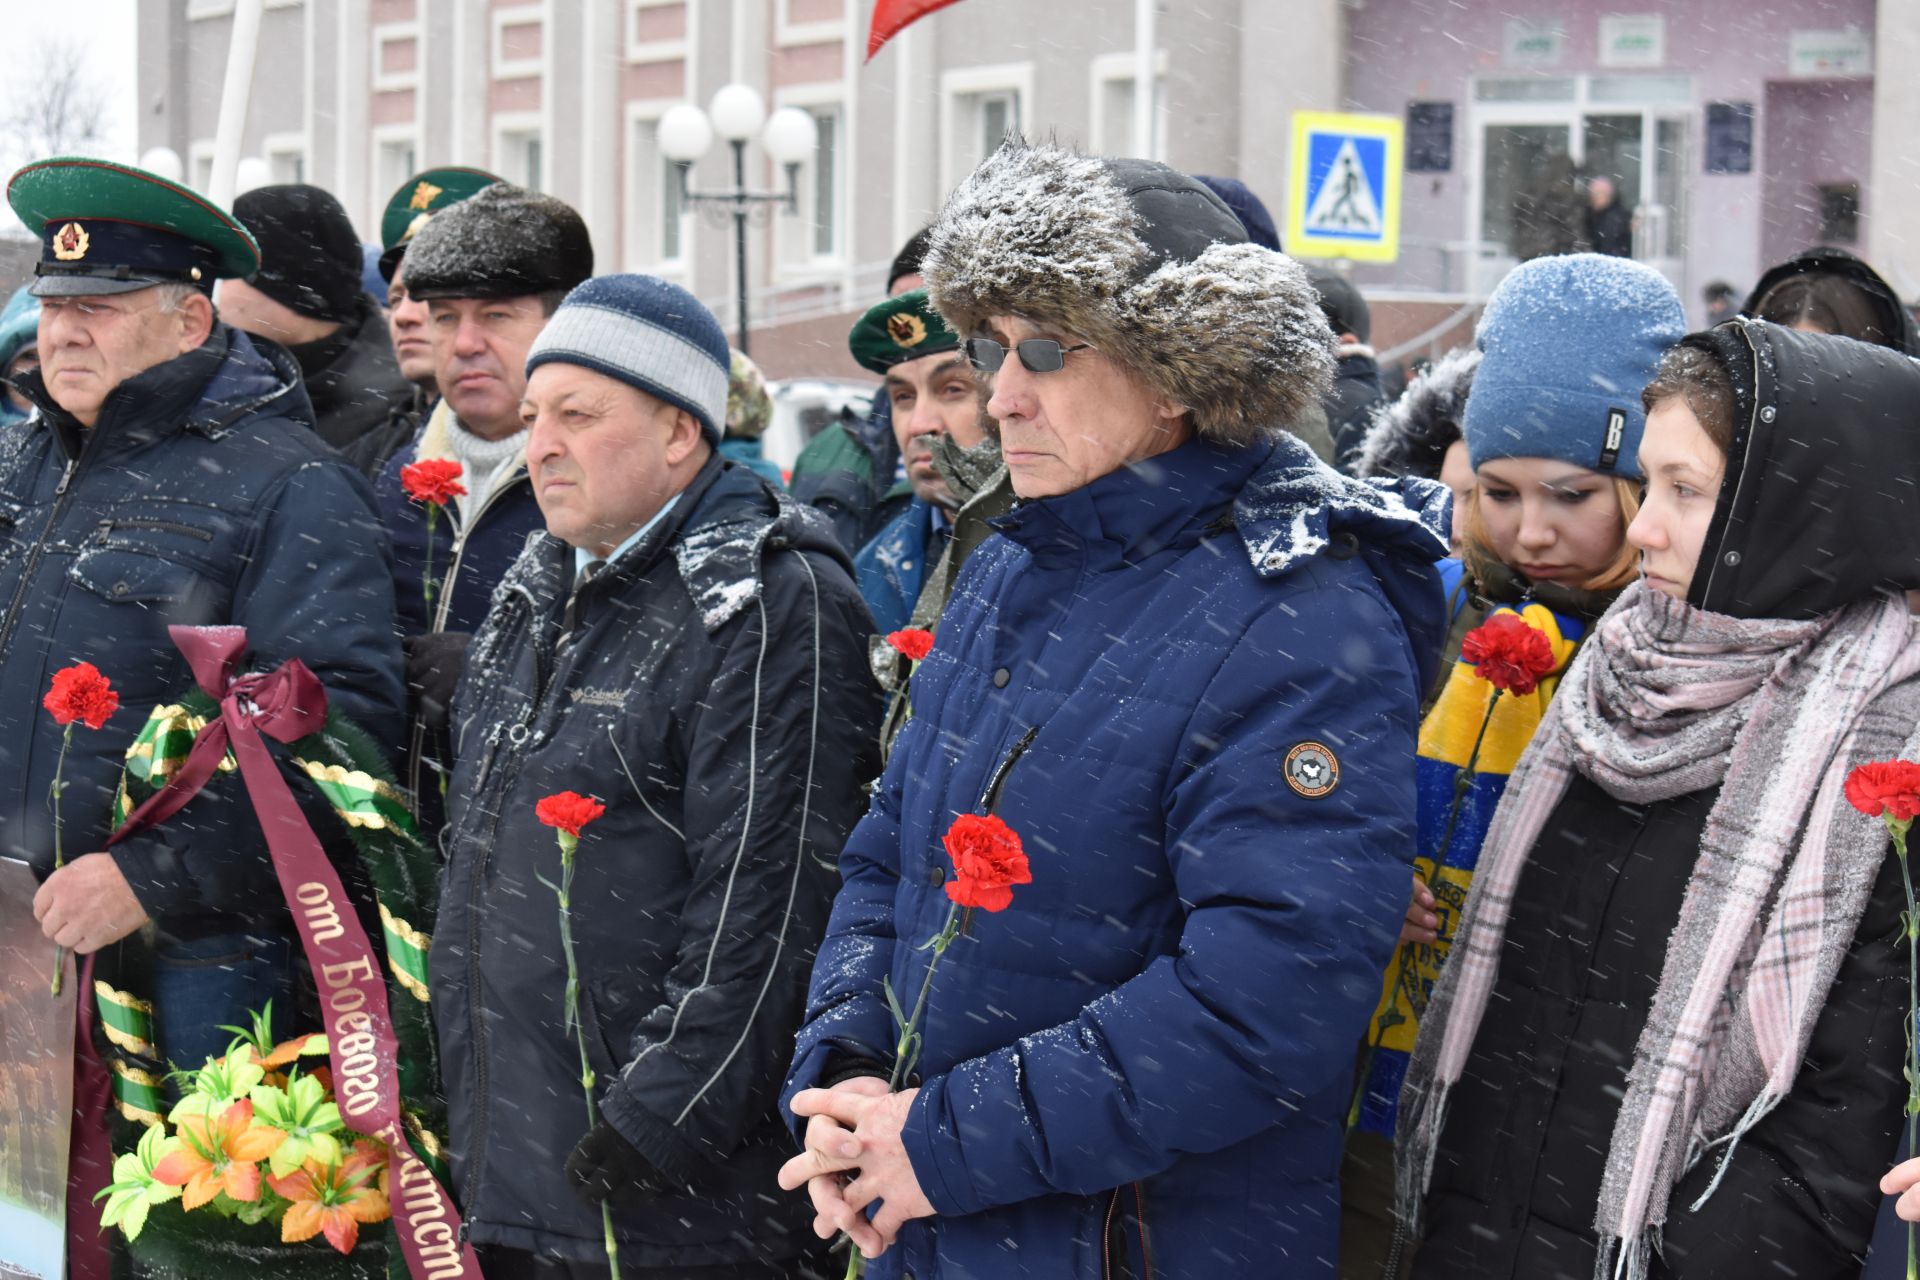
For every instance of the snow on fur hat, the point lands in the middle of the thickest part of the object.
(1148, 266)
(1568, 344)
(501, 242)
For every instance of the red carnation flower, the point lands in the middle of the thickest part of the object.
(987, 862)
(435, 481)
(913, 642)
(81, 693)
(568, 811)
(1886, 787)
(1509, 653)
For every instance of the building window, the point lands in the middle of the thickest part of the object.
(395, 159)
(519, 154)
(1840, 213)
(826, 176)
(815, 235)
(979, 108)
(673, 210)
(1112, 132)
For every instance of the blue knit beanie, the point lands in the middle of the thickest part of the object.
(649, 334)
(1569, 343)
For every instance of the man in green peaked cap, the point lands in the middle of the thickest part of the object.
(933, 394)
(168, 475)
(410, 207)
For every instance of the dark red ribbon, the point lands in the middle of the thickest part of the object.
(286, 705)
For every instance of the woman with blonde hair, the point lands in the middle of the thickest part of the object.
(1551, 428)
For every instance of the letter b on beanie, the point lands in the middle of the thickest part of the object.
(1568, 344)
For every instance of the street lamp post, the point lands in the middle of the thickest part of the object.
(736, 114)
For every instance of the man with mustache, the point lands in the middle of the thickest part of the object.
(491, 270)
(933, 393)
(685, 643)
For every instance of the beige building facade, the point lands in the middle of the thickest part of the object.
(354, 95)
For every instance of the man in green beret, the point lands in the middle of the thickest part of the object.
(933, 394)
(169, 475)
(409, 208)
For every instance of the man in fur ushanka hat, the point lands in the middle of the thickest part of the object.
(1187, 674)
(1148, 265)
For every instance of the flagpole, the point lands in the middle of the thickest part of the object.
(1143, 77)
(229, 131)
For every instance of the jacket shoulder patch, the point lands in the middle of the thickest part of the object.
(1312, 770)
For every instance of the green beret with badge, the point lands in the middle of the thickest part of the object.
(111, 228)
(419, 198)
(900, 329)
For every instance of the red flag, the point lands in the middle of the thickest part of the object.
(890, 16)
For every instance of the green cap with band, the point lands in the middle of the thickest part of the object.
(112, 228)
(419, 198)
(900, 329)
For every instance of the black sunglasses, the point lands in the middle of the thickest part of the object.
(1039, 355)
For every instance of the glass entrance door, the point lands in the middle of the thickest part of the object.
(1537, 157)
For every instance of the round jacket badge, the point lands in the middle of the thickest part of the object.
(1311, 769)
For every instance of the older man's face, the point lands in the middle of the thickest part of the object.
(604, 457)
(90, 345)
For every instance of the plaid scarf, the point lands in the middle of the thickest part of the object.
(1666, 700)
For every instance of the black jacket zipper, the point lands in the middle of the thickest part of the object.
(107, 527)
(32, 565)
(482, 1119)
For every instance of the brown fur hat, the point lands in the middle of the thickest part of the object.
(1146, 264)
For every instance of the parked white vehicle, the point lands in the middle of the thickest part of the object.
(804, 407)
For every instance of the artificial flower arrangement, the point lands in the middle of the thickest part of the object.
(254, 1139)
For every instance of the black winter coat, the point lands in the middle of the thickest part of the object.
(1518, 1171)
(353, 378)
(711, 687)
(200, 496)
(1350, 405)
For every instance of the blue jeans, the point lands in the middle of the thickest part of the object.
(201, 984)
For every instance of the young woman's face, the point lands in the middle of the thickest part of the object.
(1684, 470)
(1550, 520)
(1456, 472)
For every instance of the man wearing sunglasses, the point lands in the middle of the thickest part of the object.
(933, 394)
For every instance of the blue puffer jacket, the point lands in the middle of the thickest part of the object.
(1152, 1048)
(893, 567)
(201, 496)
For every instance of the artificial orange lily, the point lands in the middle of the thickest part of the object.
(217, 1153)
(334, 1198)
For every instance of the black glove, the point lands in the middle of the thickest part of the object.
(434, 663)
(603, 1167)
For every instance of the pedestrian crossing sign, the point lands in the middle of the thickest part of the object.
(1344, 199)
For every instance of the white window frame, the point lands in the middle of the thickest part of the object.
(198, 9)
(1103, 135)
(521, 15)
(965, 82)
(639, 50)
(276, 145)
(520, 122)
(386, 34)
(787, 32)
(639, 255)
(810, 267)
(379, 138)
(199, 151)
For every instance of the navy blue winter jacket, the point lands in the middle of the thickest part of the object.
(469, 557)
(1151, 1050)
(200, 496)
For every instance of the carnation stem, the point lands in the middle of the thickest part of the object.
(59, 856)
(426, 573)
(569, 844)
(904, 1054)
(1389, 1016)
(1898, 829)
